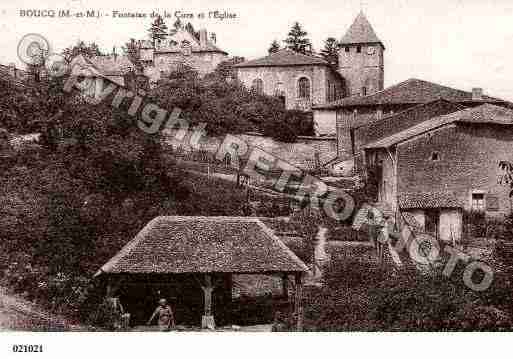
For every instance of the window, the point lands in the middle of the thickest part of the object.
(347, 49)
(435, 156)
(258, 86)
(186, 48)
(492, 203)
(364, 91)
(304, 88)
(478, 202)
(358, 49)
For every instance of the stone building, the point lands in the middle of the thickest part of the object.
(100, 71)
(180, 48)
(308, 81)
(442, 166)
(299, 80)
(357, 116)
(361, 59)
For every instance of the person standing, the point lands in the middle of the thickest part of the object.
(164, 315)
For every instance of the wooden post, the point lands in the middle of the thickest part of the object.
(298, 303)
(207, 321)
(109, 291)
(285, 286)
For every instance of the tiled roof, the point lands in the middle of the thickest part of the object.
(173, 43)
(360, 32)
(367, 132)
(204, 245)
(113, 69)
(284, 57)
(426, 200)
(113, 65)
(412, 91)
(423, 111)
(486, 113)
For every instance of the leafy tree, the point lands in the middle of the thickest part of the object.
(158, 29)
(225, 69)
(298, 41)
(178, 24)
(275, 47)
(131, 50)
(81, 48)
(330, 50)
(190, 28)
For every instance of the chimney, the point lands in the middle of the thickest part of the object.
(213, 38)
(203, 38)
(12, 69)
(477, 94)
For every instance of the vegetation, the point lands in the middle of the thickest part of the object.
(298, 41)
(275, 47)
(227, 106)
(81, 48)
(330, 51)
(361, 296)
(158, 29)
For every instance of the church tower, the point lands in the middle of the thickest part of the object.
(361, 59)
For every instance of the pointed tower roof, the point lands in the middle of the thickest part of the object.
(360, 32)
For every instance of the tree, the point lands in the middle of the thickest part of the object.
(330, 51)
(192, 31)
(298, 41)
(275, 47)
(81, 48)
(158, 29)
(178, 24)
(131, 50)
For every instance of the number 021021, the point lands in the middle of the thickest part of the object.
(23, 348)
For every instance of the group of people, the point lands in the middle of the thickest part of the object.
(116, 318)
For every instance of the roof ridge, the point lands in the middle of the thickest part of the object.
(412, 108)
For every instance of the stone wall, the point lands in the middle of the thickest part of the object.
(364, 69)
(281, 79)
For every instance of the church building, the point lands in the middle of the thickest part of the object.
(305, 82)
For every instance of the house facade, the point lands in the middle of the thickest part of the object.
(180, 48)
(444, 166)
(299, 80)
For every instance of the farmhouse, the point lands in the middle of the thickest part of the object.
(446, 165)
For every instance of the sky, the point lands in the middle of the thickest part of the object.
(458, 43)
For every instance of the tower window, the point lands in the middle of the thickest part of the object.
(304, 88)
(358, 49)
(347, 49)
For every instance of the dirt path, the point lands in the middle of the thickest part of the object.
(20, 315)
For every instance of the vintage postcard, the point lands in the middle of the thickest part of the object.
(184, 167)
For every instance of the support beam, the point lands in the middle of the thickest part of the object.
(285, 286)
(207, 321)
(298, 303)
